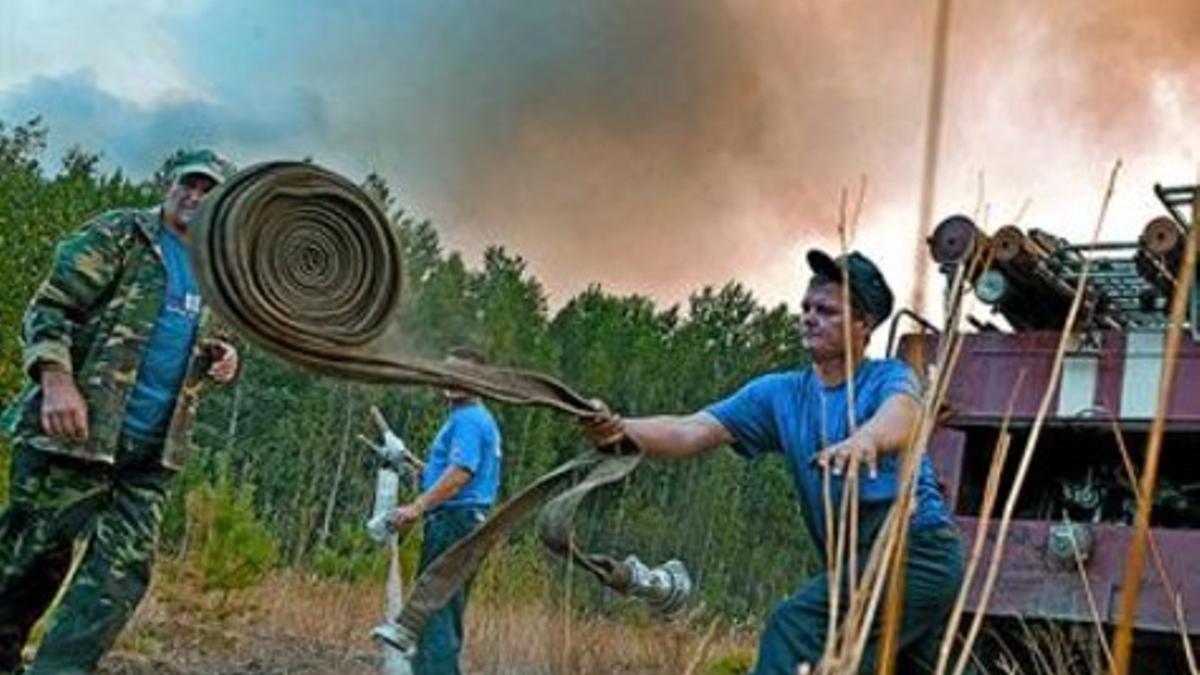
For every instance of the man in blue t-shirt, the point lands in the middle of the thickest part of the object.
(804, 415)
(459, 484)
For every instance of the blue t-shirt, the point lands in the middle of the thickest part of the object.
(470, 440)
(165, 359)
(793, 413)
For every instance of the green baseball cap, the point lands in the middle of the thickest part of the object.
(204, 162)
(869, 291)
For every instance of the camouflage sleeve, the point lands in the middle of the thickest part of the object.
(84, 267)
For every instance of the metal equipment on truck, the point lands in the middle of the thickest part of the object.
(1077, 504)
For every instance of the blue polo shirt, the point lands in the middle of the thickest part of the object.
(469, 439)
(167, 353)
(795, 414)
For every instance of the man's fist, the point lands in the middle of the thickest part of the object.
(855, 450)
(405, 516)
(224, 365)
(64, 412)
(604, 428)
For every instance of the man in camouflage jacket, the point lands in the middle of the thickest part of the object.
(116, 351)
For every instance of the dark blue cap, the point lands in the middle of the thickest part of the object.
(869, 291)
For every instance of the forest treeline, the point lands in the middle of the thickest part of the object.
(283, 440)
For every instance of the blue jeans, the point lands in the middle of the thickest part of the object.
(795, 630)
(441, 641)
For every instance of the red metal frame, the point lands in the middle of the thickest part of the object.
(1031, 581)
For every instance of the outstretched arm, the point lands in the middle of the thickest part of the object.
(663, 436)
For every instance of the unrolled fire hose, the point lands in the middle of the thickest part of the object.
(303, 263)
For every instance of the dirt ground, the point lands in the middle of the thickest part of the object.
(287, 625)
(175, 647)
(256, 655)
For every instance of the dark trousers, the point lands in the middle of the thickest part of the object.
(441, 642)
(795, 630)
(54, 501)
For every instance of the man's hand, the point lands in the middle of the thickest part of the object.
(224, 361)
(64, 412)
(857, 449)
(604, 428)
(403, 517)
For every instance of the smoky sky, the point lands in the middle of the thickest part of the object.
(656, 146)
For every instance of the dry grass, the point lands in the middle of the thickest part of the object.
(294, 624)
(529, 640)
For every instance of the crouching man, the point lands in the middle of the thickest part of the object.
(802, 414)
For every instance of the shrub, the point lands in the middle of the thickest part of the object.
(733, 663)
(228, 546)
(351, 555)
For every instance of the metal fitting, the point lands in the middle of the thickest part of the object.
(380, 527)
(393, 451)
(664, 588)
(1064, 539)
(398, 637)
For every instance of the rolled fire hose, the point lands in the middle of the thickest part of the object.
(303, 263)
(387, 494)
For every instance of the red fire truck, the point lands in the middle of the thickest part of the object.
(1077, 505)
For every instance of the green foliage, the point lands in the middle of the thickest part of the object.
(5, 459)
(174, 528)
(230, 546)
(409, 553)
(516, 574)
(351, 555)
(733, 663)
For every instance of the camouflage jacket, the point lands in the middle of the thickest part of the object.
(94, 315)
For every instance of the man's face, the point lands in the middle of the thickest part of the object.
(822, 322)
(182, 202)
